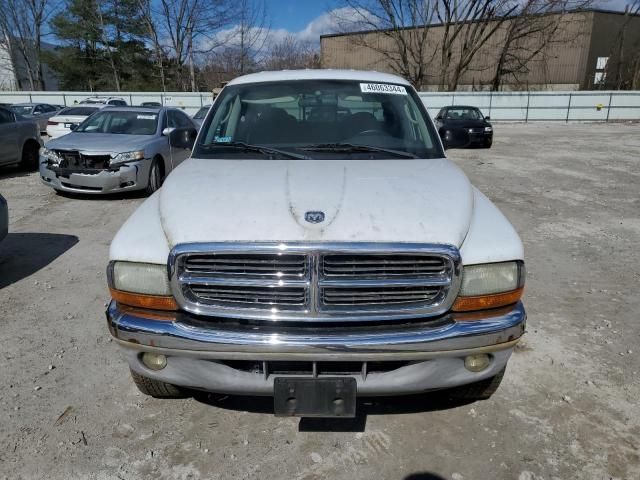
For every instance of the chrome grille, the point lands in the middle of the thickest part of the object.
(250, 295)
(244, 265)
(379, 295)
(315, 282)
(382, 266)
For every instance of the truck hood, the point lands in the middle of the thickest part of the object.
(104, 143)
(428, 201)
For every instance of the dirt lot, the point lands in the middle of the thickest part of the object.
(568, 407)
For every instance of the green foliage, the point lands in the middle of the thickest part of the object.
(102, 48)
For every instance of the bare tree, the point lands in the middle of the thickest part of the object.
(151, 29)
(191, 27)
(22, 25)
(252, 31)
(409, 44)
(533, 29)
(623, 66)
(467, 27)
(291, 53)
(405, 48)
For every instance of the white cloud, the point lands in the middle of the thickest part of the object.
(337, 20)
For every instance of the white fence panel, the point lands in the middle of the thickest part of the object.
(500, 106)
(596, 106)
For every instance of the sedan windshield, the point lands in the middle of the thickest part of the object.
(319, 119)
(21, 109)
(202, 112)
(463, 114)
(78, 111)
(123, 122)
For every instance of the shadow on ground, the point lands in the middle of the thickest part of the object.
(23, 254)
(405, 404)
(13, 172)
(424, 476)
(103, 196)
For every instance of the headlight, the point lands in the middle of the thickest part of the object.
(50, 155)
(127, 157)
(488, 129)
(490, 285)
(142, 285)
(145, 278)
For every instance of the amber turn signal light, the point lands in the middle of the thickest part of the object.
(153, 302)
(484, 302)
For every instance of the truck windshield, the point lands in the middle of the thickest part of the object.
(319, 119)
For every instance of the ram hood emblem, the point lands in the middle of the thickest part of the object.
(314, 217)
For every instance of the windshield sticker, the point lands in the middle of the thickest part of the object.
(383, 88)
(222, 139)
(146, 117)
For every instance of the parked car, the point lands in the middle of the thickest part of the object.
(317, 246)
(19, 140)
(150, 104)
(198, 117)
(470, 118)
(37, 112)
(116, 149)
(4, 218)
(67, 118)
(113, 101)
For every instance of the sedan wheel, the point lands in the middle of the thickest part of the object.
(155, 177)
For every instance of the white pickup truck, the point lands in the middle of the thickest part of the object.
(318, 246)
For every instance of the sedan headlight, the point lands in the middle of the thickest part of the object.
(143, 285)
(490, 285)
(50, 155)
(488, 129)
(127, 157)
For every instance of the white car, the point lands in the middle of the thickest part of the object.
(318, 246)
(66, 118)
(111, 101)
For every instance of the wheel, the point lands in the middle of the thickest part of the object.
(156, 388)
(29, 160)
(481, 390)
(488, 142)
(155, 177)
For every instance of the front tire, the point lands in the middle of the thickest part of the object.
(156, 388)
(155, 177)
(481, 390)
(29, 160)
(488, 142)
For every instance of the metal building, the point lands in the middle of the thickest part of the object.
(590, 49)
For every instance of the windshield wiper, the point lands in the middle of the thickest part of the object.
(258, 148)
(350, 147)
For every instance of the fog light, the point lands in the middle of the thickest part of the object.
(154, 361)
(477, 363)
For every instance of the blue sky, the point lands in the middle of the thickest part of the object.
(308, 19)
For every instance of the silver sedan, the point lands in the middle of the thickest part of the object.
(117, 149)
(36, 112)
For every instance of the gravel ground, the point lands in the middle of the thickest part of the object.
(568, 407)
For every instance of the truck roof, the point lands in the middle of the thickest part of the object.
(327, 74)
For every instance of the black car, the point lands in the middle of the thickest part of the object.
(469, 118)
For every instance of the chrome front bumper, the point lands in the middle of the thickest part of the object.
(132, 176)
(196, 347)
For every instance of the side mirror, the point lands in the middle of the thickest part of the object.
(167, 131)
(454, 137)
(487, 117)
(37, 113)
(73, 126)
(183, 137)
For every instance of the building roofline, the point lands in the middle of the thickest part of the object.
(434, 25)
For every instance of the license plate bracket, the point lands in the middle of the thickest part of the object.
(315, 397)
